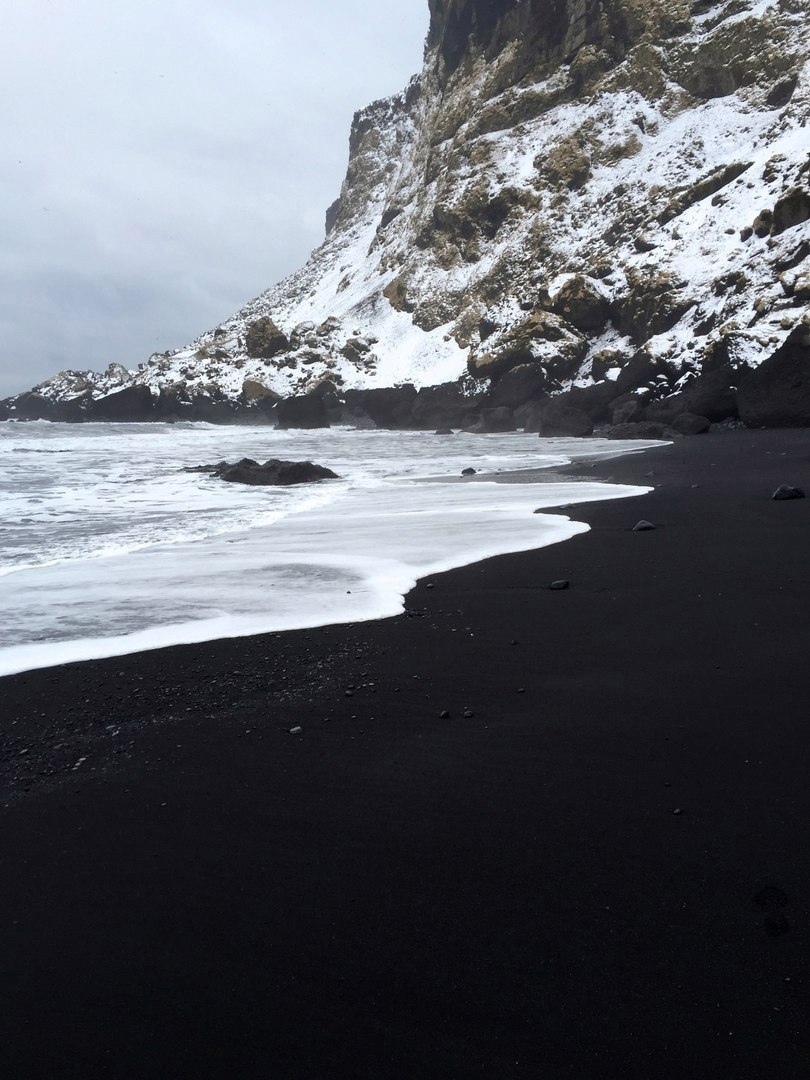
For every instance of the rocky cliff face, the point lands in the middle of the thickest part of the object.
(592, 193)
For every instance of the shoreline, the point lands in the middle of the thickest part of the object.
(378, 586)
(600, 849)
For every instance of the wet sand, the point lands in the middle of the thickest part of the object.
(596, 864)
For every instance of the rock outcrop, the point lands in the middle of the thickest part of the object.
(272, 473)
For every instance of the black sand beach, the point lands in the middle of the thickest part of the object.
(598, 864)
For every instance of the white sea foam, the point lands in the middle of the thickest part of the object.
(108, 548)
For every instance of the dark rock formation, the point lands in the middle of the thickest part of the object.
(306, 411)
(644, 429)
(387, 407)
(582, 304)
(787, 491)
(133, 403)
(30, 406)
(626, 409)
(275, 473)
(653, 304)
(690, 424)
(712, 394)
(556, 419)
(494, 421)
(777, 393)
(444, 405)
(516, 387)
(791, 209)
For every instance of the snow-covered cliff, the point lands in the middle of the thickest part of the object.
(597, 191)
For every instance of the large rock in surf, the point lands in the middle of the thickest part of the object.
(275, 472)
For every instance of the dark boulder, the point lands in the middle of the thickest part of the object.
(786, 491)
(275, 473)
(583, 304)
(517, 386)
(712, 394)
(763, 223)
(791, 209)
(777, 393)
(690, 424)
(306, 411)
(264, 339)
(593, 400)
(132, 404)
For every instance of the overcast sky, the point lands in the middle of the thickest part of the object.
(163, 161)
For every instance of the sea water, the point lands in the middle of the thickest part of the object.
(108, 547)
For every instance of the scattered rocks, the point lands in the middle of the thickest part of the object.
(644, 526)
(468, 472)
(558, 586)
(785, 491)
(444, 715)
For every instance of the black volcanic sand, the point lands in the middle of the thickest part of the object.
(597, 865)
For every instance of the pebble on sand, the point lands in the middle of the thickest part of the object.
(557, 586)
(785, 491)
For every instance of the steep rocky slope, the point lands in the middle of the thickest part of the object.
(587, 198)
